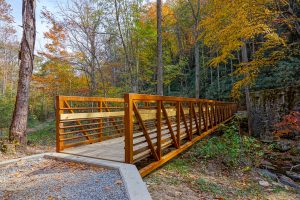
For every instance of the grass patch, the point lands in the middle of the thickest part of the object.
(179, 165)
(44, 136)
(206, 186)
(228, 193)
(254, 189)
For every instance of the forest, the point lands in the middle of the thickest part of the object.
(210, 49)
(226, 50)
(108, 48)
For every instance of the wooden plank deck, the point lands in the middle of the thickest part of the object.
(112, 149)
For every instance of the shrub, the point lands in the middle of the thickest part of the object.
(231, 148)
(289, 124)
(44, 136)
(6, 110)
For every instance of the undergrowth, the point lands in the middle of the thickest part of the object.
(231, 148)
(44, 136)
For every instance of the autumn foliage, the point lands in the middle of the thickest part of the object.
(289, 124)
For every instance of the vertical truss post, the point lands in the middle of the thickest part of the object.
(158, 120)
(178, 122)
(100, 122)
(128, 119)
(59, 103)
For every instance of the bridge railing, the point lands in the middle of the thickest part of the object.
(86, 120)
(155, 127)
(161, 127)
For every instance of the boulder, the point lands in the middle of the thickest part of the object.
(266, 173)
(296, 160)
(296, 149)
(293, 175)
(283, 145)
(267, 165)
(289, 182)
(264, 183)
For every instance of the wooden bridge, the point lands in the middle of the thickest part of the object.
(146, 130)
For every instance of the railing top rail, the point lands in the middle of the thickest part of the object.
(146, 97)
(141, 97)
(81, 98)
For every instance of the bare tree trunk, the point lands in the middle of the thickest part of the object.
(197, 71)
(4, 78)
(196, 15)
(218, 80)
(231, 70)
(204, 69)
(211, 76)
(247, 92)
(160, 90)
(19, 122)
(180, 47)
(4, 81)
(127, 62)
(93, 88)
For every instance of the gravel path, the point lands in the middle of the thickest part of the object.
(50, 179)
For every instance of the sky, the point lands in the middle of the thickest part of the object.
(41, 27)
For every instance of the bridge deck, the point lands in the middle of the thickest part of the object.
(112, 149)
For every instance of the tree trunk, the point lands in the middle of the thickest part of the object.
(197, 71)
(196, 15)
(218, 81)
(19, 122)
(211, 75)
(247, 92)
(159, 50)
(180, 47)
(231, 71)
(93, 88)
(125, 48)
(204, 70)
(4, 78)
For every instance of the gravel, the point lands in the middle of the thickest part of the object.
(49, 179)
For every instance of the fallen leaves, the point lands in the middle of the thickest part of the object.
(17, 175)
(107, 188)
(118, 182)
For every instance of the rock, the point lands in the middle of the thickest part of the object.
(296, 150)
(266, 173)
(287, 181)
(283, 145)
(265, 162)
(296, 160)
(267, 165)
(293, 175)
(277, 184)
(264, 183)
(118, 182)
(295, 168)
